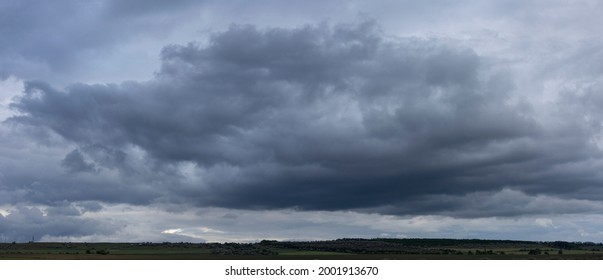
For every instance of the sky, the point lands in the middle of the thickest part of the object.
(222, 121)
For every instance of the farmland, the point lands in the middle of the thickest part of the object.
(340, 249)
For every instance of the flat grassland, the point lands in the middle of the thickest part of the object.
(340, 249)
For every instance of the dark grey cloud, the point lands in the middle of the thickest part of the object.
(75, 162)
(320, 117)
(501, 203)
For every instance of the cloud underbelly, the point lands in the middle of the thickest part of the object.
(318, 117)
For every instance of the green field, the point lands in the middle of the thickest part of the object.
(341, 249)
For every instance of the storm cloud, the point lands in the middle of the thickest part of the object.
(459, 114)
(320, 117)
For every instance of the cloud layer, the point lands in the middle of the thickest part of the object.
(390, 110)
(319, 117)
